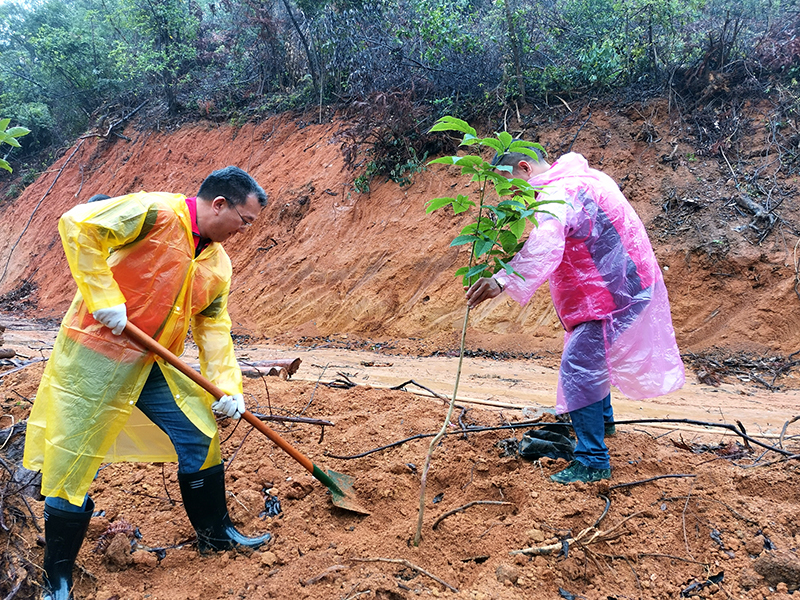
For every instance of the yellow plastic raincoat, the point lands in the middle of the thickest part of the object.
(137, 249)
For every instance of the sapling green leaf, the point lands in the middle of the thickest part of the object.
(18, 131)
(444, 160)
(505, 138)
(462, 204)
(463, 239)
(438, 203)
(448, 123)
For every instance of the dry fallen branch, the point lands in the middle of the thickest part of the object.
(305, 420)
(405, 563)
(22, 366)
(290, 364)
(774, 462)
(783, 431)
(342, 382)
(319, 577)
(412, 382)
(632, 483)
(464, 507)
(588, 536)
(522, 424)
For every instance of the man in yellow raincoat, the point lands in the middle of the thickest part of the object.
(155, 258)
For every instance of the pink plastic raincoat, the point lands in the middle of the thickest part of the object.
(602, 271)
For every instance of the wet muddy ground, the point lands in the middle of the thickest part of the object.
(688, 509)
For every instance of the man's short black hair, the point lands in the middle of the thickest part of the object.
(97, 198)
(233, 184)
(512, 159)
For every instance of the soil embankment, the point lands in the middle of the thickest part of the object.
(323, 259)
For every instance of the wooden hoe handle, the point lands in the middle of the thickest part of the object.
(148, 343)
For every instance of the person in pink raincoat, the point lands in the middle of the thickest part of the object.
(609, 294)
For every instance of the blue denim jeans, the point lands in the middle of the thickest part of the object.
(158, 404)
(589, 426)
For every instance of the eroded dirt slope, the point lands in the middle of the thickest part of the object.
(324, 259)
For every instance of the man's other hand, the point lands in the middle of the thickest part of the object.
(231, 406)
(483, 289)
(113, 317)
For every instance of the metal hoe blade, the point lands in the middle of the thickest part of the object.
(341, 488)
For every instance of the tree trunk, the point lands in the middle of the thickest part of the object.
(512, 38)
(306, 47)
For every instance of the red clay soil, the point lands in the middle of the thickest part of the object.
(710, 522)
(325, 265)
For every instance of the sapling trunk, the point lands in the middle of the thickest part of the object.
(440, 435)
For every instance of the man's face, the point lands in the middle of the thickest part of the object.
(223, 219)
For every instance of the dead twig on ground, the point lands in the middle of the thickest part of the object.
(774, 462)
(22, 366)
(588, 536)
(343, 382)
(465, 507)
(420, 436)
(742, 365)
(405, 563)
(727, 426)
(641, 481)
(412, 382)
(319, 577)
(304, 420)
(783, 430)
(522, 424)
(310, 400)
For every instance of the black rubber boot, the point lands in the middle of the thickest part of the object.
(63, 535)
(204, 500)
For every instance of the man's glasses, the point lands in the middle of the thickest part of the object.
(246, 223)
